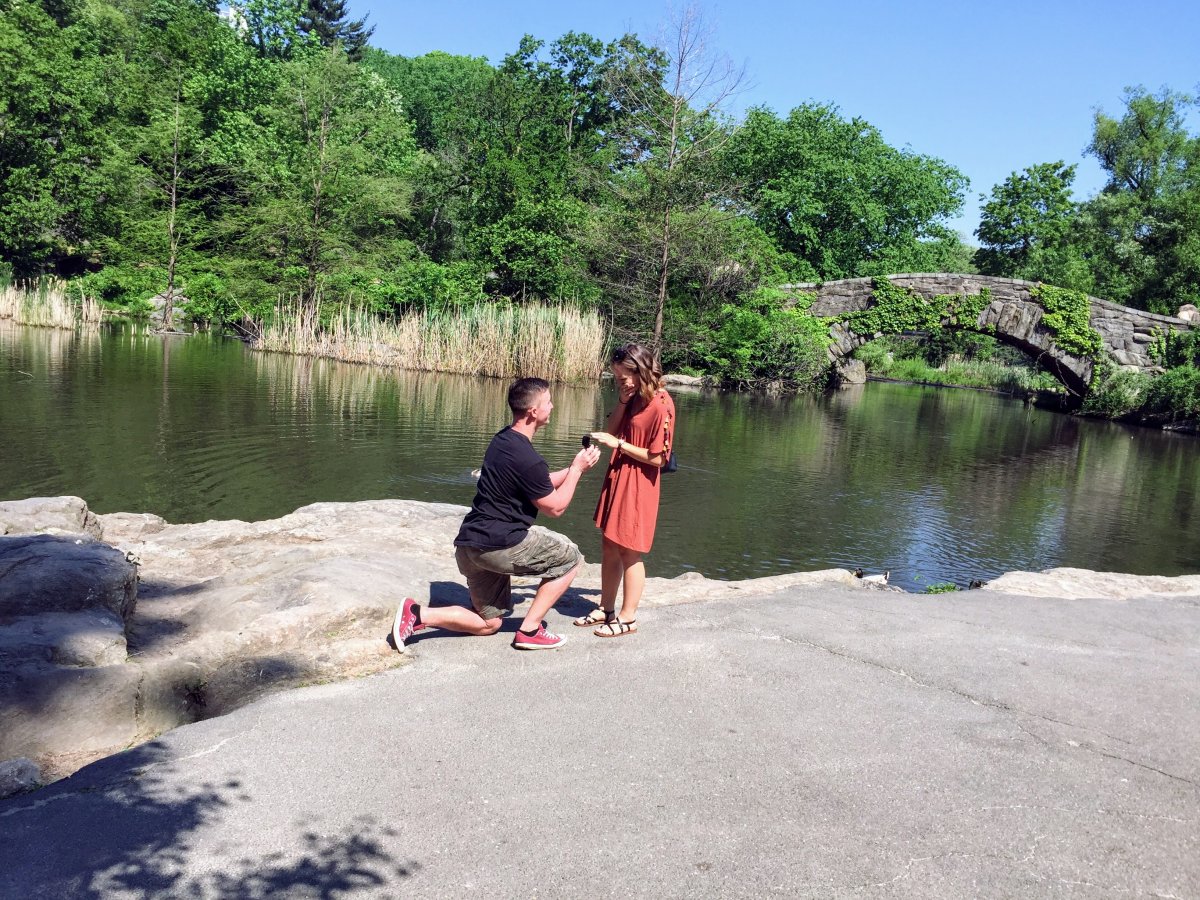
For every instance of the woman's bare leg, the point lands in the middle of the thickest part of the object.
(634, 579)
(611, 571)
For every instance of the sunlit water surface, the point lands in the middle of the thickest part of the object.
(933, 485)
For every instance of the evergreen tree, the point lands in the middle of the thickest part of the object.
(326, 20)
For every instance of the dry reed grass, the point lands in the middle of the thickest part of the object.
(44, 303)
(295, 382)
(558, 343)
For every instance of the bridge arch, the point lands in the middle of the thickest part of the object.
(1012, 314)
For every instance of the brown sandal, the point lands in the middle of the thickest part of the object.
(597, 616)
(614, 627)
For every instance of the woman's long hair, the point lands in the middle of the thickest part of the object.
(645, 365)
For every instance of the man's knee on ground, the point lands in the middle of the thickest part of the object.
(491, 626)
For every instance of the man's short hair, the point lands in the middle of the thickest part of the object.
(524, 393)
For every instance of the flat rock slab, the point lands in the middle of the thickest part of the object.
(1067, 582)
(817, 742)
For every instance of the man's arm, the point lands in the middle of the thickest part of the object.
(556, 502)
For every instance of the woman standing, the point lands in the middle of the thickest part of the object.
(640, 431)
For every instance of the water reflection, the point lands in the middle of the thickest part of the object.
(933, 485)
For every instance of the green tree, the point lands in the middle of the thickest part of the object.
(836, 196)
(332, 194)
(540, 123)
(511, 152)
(1141, 230)
(1029, 210)
(272, 27)
(440, 94)
(177, 56)
(169, 165)
(438, 90)
(1026, 221)
(63, 72)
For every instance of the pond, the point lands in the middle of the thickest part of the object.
(932, 485)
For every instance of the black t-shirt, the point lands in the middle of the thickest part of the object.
(513, 476)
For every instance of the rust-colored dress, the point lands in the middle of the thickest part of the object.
(628, 507)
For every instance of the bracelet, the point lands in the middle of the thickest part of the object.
(621, 446)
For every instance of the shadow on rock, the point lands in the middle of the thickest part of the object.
(157, 623)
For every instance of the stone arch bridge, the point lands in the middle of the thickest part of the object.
(1013, 317)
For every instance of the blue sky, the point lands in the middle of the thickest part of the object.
(988, 87)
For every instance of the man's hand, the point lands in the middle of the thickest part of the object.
(555, 503)
(605, 440)
(585, 459)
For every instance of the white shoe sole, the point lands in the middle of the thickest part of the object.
(396, 628)
(517, 646)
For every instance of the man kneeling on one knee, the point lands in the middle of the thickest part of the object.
(497, 539)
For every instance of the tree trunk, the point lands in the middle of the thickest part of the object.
(663, 269)
(172, 227)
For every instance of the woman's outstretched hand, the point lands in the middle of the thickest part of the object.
(605, 439)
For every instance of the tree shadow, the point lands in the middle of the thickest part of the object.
(157, 620)
(325, 866)
(129, 826)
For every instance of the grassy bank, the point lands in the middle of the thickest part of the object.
(559, 343)
(44, 303)
(993, 369)
(971, 373)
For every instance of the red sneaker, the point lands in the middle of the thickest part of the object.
(405, 623)
(543, 640)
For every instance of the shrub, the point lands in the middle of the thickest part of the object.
(423, 284)
(1177, 348)
(209, 299)
(1175, 394)
(126, 286)
(942, 587)
(1115, 393)
(877, 356)
(763, 344)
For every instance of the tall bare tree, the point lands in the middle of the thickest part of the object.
(676, 96)
(171, 170)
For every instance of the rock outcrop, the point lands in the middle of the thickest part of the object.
(93, 660)
(108, 643)
(48, 515)
(18, 776)
(66, 601)
(1083, 583)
